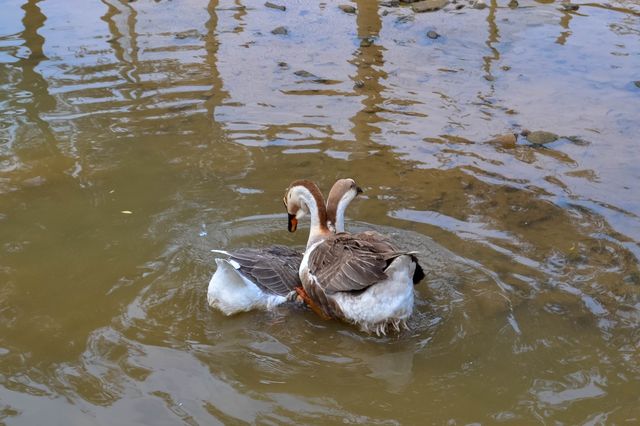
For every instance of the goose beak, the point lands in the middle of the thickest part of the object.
(359, 190)
(293, 223)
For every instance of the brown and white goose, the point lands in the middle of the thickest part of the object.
(262, 278)
(359, 278)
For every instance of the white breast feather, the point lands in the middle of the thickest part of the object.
(386, 303)
(304, 265)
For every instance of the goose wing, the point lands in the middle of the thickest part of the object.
(384, 243)
(273, 269)
(351, 262)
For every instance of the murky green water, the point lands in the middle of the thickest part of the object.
(194, 117)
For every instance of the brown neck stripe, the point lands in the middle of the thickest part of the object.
(317, 195)
(335, 195)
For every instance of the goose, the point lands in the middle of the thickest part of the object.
(360, 278)
(263, 278)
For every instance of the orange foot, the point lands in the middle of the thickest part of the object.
(314, 307)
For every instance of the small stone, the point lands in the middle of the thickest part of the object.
(506, 68)
(459, 6)
(385, 13)
(405, 19)
(275, 6)
(187, 34)
(513, 4)
(305, 74)
(507, 140)
(433, 35)
(366, 42)
(489, 77)
(390, 3)
(540, 137)
(577, 140)
(525, 132)
(283, 65)
(637, 83)
(428, 5)
(479, 4)
(569, 7)
(280, 31)
(347, 8)
(359, 84)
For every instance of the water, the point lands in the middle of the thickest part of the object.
(135, 137)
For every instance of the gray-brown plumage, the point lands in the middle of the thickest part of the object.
(352, 262)
(273, 269)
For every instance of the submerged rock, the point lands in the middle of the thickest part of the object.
(404, 19)
(390, 3)
(508, 140)
(305, 74)
(513, 4)
(637, 83)
(187, 34)
(478, 4)
(347, 8)
(366, 42)
(428, 5)
(280, 31)
(433, 35)
(540, 137)
(569, 6)
(275, 6)
(577, 140)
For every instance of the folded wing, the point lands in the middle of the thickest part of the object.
(273, 269)
(353, 262)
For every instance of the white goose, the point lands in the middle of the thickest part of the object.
(263, 278)
(359, 278)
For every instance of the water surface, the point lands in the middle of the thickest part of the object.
(136, 136)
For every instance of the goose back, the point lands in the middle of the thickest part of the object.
(352, 262)
(273, 269)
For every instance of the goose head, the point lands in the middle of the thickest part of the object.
(304, 198)
(341, 194)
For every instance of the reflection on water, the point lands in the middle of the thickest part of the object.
(194, 116)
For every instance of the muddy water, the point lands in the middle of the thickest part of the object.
(137, 136)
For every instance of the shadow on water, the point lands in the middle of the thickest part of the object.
(144, 134)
